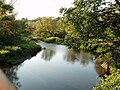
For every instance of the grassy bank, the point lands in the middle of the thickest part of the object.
(53, 40)
(18, 48)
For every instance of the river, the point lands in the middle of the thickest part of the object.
(55, 67)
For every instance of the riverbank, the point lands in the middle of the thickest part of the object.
(18, 48)
(55, 61)
(111, 81)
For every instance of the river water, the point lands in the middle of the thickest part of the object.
(55, 67)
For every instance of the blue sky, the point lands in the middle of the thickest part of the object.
(32, 9)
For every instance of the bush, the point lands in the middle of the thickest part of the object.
(19, 49)
(6, 17)
(53, 40)
(111, 82)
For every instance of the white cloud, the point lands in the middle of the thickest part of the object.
(32, 9)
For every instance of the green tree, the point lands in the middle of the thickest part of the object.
(47, 27)
(5, 8)
(96, 22)
(9, 27)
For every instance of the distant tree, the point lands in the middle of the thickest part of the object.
(46, 27)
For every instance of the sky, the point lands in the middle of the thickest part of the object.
(31, 9)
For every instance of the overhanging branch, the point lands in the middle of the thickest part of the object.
(118, 3)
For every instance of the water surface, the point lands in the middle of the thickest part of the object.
(55, 68)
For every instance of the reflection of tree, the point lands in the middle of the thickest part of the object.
(82, 57)
(85, 58)
(11, 73)
(47, 54)
(70, 56)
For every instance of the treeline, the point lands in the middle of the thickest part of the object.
(54, 30)
(90, 25)
(46, 28)
(14, 41)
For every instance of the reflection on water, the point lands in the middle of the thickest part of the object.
(86, 58)
(67, 69)
(69, 55)
(47, 54)
(75, 56)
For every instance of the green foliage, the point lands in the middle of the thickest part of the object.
(5, 8)
(2, 52)
(111, 82)
(46, 27)
(95, 24)
(20, 48)
(53, 40)
(9, 27)
(6, 17)
(13, 43)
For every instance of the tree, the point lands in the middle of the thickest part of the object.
(96, 23)
(47, 27)
(9, 27)
(5, 8)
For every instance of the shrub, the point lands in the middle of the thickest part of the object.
(21, 48)
(4, 52)
(53, 40)
(111, 82)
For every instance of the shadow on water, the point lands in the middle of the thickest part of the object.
(47, 54)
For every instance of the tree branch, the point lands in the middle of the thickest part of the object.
(13, 2)
(118, 3)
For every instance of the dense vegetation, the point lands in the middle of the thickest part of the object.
(90, 25)
(97, 25)
(47, 29)
(14, 41)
